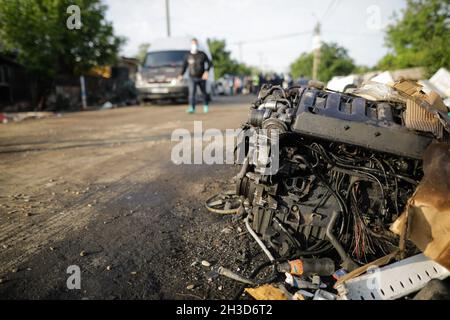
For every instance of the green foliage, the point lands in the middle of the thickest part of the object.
(245, 70)
(363, 69)
(221, 58)
(302, 66)
(334, 61)
(142, 52)
(420, 37)
(37, 30)
(223, 63)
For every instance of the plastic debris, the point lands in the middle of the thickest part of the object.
(324, 295)
(107, 105)
(375, 91)
(392, 281)
(339, 274)
(300, 283)
(305, 294)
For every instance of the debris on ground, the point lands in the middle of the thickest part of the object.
(393, 281)
(190, 287)
(266, 292)
(107, 105)
(359, 188)
(206, 263)
(21, 116)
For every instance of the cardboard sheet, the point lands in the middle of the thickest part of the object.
(428, 211)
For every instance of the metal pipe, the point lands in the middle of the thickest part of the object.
(258, 240)
(232, 275)
(244, 169)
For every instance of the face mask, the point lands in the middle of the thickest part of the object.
(194, 48)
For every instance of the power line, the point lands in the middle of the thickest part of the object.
(331, 7)
(273, 38)
(327, 9)
(351, 34)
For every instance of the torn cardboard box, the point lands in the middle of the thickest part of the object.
(417, 117)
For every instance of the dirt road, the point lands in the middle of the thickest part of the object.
(98, 190)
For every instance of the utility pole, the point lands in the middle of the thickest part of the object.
(168, 18)
(83, 93)
(317, 44)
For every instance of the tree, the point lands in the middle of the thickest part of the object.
(245, 70)
(221, 58)
(39, 32)
(302, 66)
(334, 61)
(223, 63)
(142, 52)
(420, 37)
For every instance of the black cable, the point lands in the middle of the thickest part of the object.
(338, 197)
(299, 253)
(258, 269)
(325, 156)
(396, 189)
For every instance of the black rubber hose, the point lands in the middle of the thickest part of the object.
(258, 269)
(253, 275)
(347, 262)
(295, 241)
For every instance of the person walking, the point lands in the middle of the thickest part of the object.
(256, 84)
(198, 64)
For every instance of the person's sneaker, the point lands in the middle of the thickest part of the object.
(205, 108)
(190, 110)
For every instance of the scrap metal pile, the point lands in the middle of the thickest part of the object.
(347, 168)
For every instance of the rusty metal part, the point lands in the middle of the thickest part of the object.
(224, 203)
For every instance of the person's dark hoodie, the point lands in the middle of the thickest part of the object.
(196, 63)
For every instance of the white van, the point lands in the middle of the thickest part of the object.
(157, 77)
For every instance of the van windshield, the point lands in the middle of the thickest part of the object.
(165, 59)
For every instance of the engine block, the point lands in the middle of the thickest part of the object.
(346, 169)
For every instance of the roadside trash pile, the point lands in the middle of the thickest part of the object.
(350, 200)
(21, 116)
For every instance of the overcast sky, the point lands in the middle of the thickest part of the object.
(284, 25)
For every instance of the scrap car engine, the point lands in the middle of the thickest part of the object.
(347, 167)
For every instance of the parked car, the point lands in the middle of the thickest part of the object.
(219, 88)
(157, 77)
